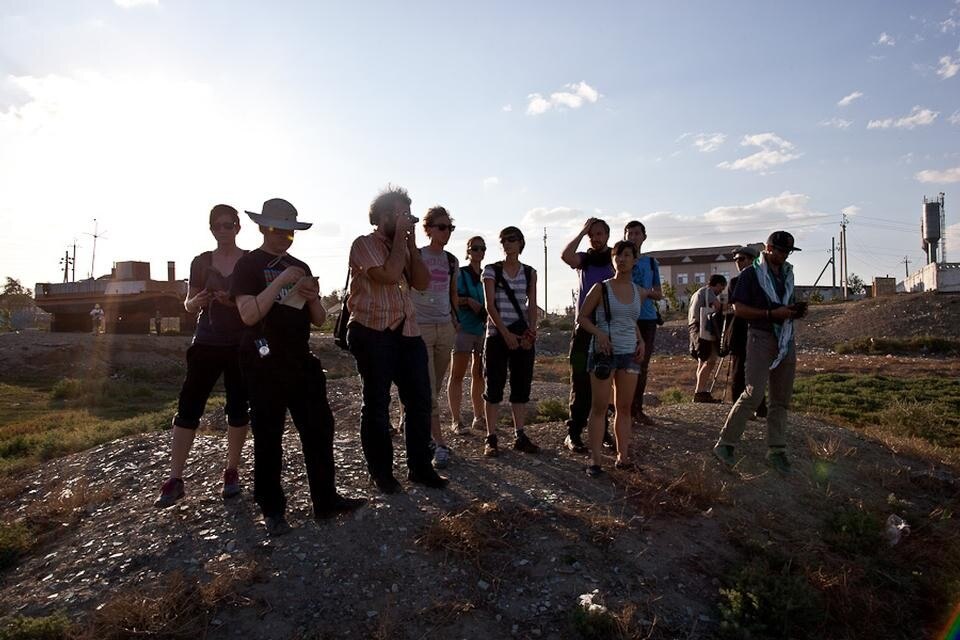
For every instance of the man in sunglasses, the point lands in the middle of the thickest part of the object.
(592, 266)
(764, 297)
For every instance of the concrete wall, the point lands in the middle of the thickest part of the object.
(944, 276)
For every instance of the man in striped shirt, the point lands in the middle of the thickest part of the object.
(384, 337)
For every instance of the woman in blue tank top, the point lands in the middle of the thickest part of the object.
(610, 313)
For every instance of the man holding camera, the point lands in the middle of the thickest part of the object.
(384, 337)
(764, 297)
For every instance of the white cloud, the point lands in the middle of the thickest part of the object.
(948, 67)
(774, 151)
(919, 117)
(709, 142)
(836, 123)
(885, 39)
(573, 96)
(507, 108)
(954, 118)
(949, 25)
(848, 99)
(491, 182)
(850, 210)
(786, 206)
(130, 4)
(939, 177)
(539, 217)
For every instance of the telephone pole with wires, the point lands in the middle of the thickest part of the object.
(546, 279)
(93, 258)
(906, 266)
(844, 266)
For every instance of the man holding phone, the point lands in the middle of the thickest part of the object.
(764, 297)
(384, 337)
(280, 371)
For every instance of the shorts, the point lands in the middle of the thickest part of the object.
(468, 343)
(621, 362)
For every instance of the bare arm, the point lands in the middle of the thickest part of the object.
(569, 254)
(585, 318)
(196, 299)
(254, 308)
(747, 312)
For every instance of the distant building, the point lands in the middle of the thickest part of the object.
(129, 298)
(885, 286)
(936, 276)
(692, 268)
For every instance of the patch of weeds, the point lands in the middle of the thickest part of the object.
(15, 541)
(65, 389)
(483, 526)
(853, 531)
(768, 597)
(52, 627)
(928, 345)
(830, 448)
(674, 395)
(595, 625)
(551, 410)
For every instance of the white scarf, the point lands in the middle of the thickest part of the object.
(765, 277)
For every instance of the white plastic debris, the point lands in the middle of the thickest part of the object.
(587, 602)
(896, 529)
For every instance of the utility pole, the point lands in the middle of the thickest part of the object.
(66, 262)
(546, 279)
(906, 266)
(833, 263)
(73, 263)
(93, 259)
(844, 265)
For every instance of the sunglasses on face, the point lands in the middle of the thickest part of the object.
(443, 226)
(477, 247)
(225, 226)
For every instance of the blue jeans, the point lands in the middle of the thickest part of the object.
(385, 358)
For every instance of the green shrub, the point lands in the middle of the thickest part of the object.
(674, 395)
(65, 389)
(54, 627)
(853, 532)
(15, 540)
(551, 410)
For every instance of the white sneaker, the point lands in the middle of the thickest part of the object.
(460, 429)
(479, 424)
(441, 457)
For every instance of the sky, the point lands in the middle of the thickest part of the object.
(714, 123)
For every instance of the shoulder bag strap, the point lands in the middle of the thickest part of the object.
(498, 271)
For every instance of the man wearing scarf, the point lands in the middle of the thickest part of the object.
(764, 298)
(592, 266)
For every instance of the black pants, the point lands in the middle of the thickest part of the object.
(299, 385)
(648, 331)
(385, 358)
(205, 363)
(580, 394)
(497, 361)
(738, 360)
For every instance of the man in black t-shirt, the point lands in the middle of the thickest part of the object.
(737, 328)
(764, 298)
(278, 300)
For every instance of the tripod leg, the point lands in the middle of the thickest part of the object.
(716, 373)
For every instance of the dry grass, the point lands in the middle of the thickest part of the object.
(831, 448)
(695, 490)
(483, 526)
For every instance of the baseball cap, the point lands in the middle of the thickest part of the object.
(747, 250)
(782, 240)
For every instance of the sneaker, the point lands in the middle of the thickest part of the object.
(336, 506)
(490, 447)
(705, 396)
(441, 457)
(231, 483)
(724, 453)
(461, 429)
(276, 525)
(608, 441)
(575, 444)
(524, 444)
(386, 483)
(779, 461)
(170, 492)
(594, 471)
(480, 424)
(428, 478)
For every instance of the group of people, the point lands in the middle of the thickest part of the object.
(414, 312)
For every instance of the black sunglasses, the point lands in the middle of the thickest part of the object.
(477, 247)
(226, 226)
(443, 226)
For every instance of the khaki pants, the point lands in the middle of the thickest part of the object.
(761, 352)
(439, 339)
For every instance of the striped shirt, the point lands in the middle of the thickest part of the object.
(519, 285)
(372, 304)
(622, 328)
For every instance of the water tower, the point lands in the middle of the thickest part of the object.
(932, 224)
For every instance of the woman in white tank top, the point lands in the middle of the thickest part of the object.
(617, 347)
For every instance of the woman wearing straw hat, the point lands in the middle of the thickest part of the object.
(278, 299)
(212, 353)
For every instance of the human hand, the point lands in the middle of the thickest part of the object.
(638, 355)
(603, 344)
(586, 226)
(290, 275)
(403, 229)
(799, 309)
(781, 313)
(511, 340)
(309, 288)
(475, 306)
(202, 299)
(222, 297)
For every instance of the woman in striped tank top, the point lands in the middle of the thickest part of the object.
(617, 340)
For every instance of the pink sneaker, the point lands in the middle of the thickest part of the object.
(231, 483)
(170, 492)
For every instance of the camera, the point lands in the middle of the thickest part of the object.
(602, 365)
(799, 309)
